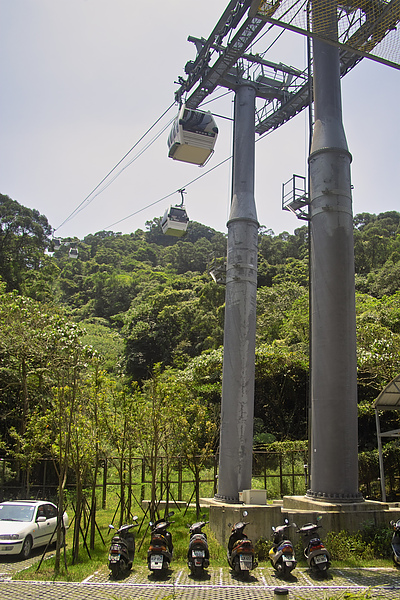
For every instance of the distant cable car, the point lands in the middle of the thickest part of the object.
(57, 243)
(73, 253)
(175, 219)
(193, 136)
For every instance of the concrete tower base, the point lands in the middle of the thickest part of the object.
(299, 510)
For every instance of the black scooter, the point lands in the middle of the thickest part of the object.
(317, 556)
(159, 554)
(281, 554)
(241, 555)
(198, 555)
(396, 542)
(122, 550)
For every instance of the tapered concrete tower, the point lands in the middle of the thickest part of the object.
(237, 406)
(334, 448)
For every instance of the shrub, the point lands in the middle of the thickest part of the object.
(371, 541)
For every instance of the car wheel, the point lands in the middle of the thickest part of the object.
(26, 548)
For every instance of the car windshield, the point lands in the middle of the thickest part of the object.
(16, 512)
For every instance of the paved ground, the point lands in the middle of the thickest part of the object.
(218, 584)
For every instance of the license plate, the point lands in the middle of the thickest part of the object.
(287, 558)
(199, 553)
(156, 561)
(246, 562)
(113, 558)
(320, 558)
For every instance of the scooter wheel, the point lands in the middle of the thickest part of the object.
(245, 575)
(115, 571)
(236, 565)
(285, 571)
(197, 571)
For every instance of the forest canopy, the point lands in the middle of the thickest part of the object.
(137, 310)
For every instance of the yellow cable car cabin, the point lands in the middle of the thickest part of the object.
(193, 136)
(175, 221)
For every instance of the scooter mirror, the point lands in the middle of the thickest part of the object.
(151, 523)
(294, 525)
(111, 527)
(245, 513)
(135, 518)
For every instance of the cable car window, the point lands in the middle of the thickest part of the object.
(178, 214)
(199, 122)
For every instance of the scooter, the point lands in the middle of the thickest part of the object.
(198, 555)
(317, 556)
(159, 554)
(122, 550)
(240, 555)
(281, 554)
(396, 542)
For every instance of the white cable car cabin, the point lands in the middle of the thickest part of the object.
(193, 136)
(73, 253)
(175, 221)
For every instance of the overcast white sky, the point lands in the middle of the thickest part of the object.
(82, 80)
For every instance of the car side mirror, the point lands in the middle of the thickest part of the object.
(41, 519)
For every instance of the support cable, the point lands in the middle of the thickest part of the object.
(80, 206)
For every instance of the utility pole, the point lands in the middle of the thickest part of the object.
(237, 405)
(334, 448)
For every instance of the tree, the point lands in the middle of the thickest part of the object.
(275, 306)
(196, 429)
(281, 390)
(169, 325)
(70, 360)
(170, 421)
(24, 236)
(25, 331)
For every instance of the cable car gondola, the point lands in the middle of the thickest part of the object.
(193, 136)
(73, 253)
(175, 219)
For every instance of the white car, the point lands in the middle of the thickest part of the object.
(26, 524)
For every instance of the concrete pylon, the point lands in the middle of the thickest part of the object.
(334, 446)
(237, 405)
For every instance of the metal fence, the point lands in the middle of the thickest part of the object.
(279, 473)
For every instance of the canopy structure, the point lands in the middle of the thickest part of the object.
(388, 399)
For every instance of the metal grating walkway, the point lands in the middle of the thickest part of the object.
(218, 584)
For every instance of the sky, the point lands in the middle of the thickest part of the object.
(83, 80)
